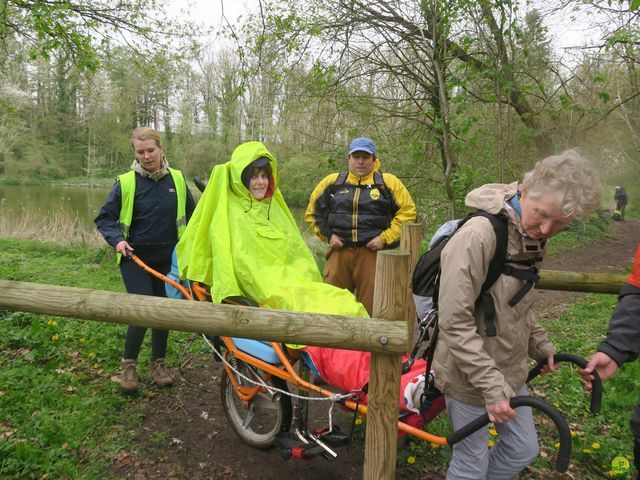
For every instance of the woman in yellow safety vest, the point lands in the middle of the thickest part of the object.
(146, 212)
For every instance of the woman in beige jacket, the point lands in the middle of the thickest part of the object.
(477, 372)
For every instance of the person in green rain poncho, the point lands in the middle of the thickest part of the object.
(243, 241)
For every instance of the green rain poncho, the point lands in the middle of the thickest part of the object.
(242, 246)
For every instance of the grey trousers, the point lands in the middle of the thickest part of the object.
(515, 447)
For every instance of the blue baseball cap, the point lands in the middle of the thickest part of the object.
(362, 144)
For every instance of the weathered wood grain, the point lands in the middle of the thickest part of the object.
(581, 282)
(200, 317)
(410, 242)
(381, 440)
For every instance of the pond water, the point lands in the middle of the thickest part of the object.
(39, 204)
(42, 202)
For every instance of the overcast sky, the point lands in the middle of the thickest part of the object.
(567, 29)
(210, 12)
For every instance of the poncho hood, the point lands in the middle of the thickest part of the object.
(242, 246)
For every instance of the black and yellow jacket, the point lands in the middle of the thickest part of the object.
(357, 209)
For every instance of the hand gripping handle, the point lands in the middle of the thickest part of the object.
(596, 391)
(564, 452)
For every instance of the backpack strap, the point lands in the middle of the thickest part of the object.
(498, 266)
(378, 179)
(341, 178)
(501, 229)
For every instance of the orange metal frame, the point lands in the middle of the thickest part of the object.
(285, 370)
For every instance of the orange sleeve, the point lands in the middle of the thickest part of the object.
(634, 277)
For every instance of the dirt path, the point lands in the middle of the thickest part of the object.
(184, 435)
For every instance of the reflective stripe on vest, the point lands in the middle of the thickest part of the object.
(128, 192)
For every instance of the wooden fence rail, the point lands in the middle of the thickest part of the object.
(581, 282)
(374, 335)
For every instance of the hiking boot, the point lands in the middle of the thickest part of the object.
(159, 373)
(128, 376)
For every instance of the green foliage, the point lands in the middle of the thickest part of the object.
(61, 416)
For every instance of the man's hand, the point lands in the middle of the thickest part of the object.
(501, 412)
(603, 364)
(375, 244)
(335, 241)
(123, 248)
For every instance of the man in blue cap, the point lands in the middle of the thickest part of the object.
(358, 213)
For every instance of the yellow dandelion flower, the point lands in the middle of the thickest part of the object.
(91, 355)
(491, 443)
(556, 445)
(587, 451)
(96, 366)
(54, 338)
(595, 445)
(82, 341)
(411, 460)
(492, 432)
(52, 323)
(573, 434)
(358, 421)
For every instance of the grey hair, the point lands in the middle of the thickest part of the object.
(571, 177)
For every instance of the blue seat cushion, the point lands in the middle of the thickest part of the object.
(258, 348)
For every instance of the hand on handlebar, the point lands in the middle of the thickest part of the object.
(601, 363)
(123, 248)
(550, 366)
(500, 412)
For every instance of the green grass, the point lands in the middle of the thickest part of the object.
(61, 415)
(580, 232)
(598, 439)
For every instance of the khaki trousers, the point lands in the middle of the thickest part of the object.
(353, 269)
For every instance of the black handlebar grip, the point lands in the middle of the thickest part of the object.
(564, 452)
(596, 391)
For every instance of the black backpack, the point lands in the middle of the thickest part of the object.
(426, 275)
(426, 283)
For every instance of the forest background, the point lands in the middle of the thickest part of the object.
(455, 94)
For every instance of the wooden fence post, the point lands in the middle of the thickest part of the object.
(389, 299)
(410, 242)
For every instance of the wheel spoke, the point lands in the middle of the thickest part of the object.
(248, 416)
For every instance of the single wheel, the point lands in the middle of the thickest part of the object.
(266, 414)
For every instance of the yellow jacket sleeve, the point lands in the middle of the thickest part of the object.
(406, 209)
(318, 209)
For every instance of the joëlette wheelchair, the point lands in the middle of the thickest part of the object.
(258, 378)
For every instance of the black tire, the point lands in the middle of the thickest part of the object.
(266, 415)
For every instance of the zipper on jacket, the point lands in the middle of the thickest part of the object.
(354, 217)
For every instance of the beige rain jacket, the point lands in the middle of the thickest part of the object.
(468, 365)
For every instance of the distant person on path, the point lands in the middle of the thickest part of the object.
(358, 213)
(146, 213)
(481, 355)
(620, 196)
(622, 345)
